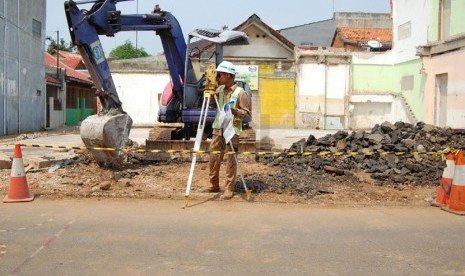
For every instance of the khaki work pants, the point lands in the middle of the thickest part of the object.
(218, 144)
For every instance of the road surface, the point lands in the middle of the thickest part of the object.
(152, 237)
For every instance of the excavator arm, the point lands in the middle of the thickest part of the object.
(103, 19)
(110, 128)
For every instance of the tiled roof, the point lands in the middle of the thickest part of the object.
(365, 34)
(70, 72)
(52, 80)
(73, 60)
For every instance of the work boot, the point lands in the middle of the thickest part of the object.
(227, 195)
(210, 189)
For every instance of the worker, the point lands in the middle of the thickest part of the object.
(227, 91)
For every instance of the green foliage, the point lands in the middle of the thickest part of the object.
(127, 51)
(63, 46)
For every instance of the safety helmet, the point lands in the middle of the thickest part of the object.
(226, 67)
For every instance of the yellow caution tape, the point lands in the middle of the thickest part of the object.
(441, 153)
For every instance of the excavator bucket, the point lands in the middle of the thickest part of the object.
(105, 136)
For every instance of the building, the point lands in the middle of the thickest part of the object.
(389, 86)
(443, 65)
(321, 33)
(22, 70)
(362, 39)
(73, 100)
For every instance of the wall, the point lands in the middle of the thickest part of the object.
(322, 89)
(398, 71)
(368, 110)
(261, 45)
(139, 94)
(452, 65)
(410, 28)
(56, 116)
(457, 23)
(22, 70)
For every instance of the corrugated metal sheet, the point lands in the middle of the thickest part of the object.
(22, 70)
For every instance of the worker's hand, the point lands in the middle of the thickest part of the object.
(234, 111)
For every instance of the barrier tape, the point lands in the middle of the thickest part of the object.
(441, 153)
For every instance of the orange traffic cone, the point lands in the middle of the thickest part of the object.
(457, 192)
(18, 191)
(443, 196)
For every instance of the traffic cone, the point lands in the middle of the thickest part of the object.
(443, 196)
(18, 191)
(457, 192)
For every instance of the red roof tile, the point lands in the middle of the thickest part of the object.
(365, 34)
(50, 79)
(70, 72)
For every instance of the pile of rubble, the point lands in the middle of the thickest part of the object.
(400, 153)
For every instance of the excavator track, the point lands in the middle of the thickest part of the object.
(160, 139)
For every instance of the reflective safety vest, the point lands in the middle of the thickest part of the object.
(234, 97)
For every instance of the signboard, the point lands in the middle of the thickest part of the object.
(97, 52)
(248, 74)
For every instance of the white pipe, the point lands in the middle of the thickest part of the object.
(19, 73)
(5, 98)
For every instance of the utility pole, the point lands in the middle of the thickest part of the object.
(58, 54)
(137, 12)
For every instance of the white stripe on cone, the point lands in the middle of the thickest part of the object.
(17, 168)
(449, 169)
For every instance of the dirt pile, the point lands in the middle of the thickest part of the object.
(397, 153)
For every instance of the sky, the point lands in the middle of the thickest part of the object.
(215, 14)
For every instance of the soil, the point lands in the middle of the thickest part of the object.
(83, 178)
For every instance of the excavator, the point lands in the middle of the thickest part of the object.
(107, 132)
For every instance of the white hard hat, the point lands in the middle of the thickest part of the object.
(226, 67)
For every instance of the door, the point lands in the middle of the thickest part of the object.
(440, 108)
(277, 103)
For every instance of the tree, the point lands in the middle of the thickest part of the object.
(63, 46)
(127, 51)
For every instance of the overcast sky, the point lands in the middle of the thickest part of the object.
(215, 14)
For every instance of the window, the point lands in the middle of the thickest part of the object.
(36, 28)
(72, 98)
(405, 30)
(89, 98)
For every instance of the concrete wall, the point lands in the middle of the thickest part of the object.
(368, 110)
(362, 20)
(22, 70)
(322, 90)
(139, 94)
(410, 28)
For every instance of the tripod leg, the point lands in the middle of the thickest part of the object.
(247, 191)
(198, 142)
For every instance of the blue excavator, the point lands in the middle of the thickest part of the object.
(180, 104)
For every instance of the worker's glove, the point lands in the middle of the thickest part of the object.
(228, 105)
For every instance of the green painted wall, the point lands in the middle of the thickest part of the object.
(76, 115)
(457, 22)
(367, 79)
(382, 79)
(433, 30)
(72, 117)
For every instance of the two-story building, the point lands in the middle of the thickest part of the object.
(443, 64)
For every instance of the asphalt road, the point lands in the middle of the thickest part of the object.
(151, 237)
